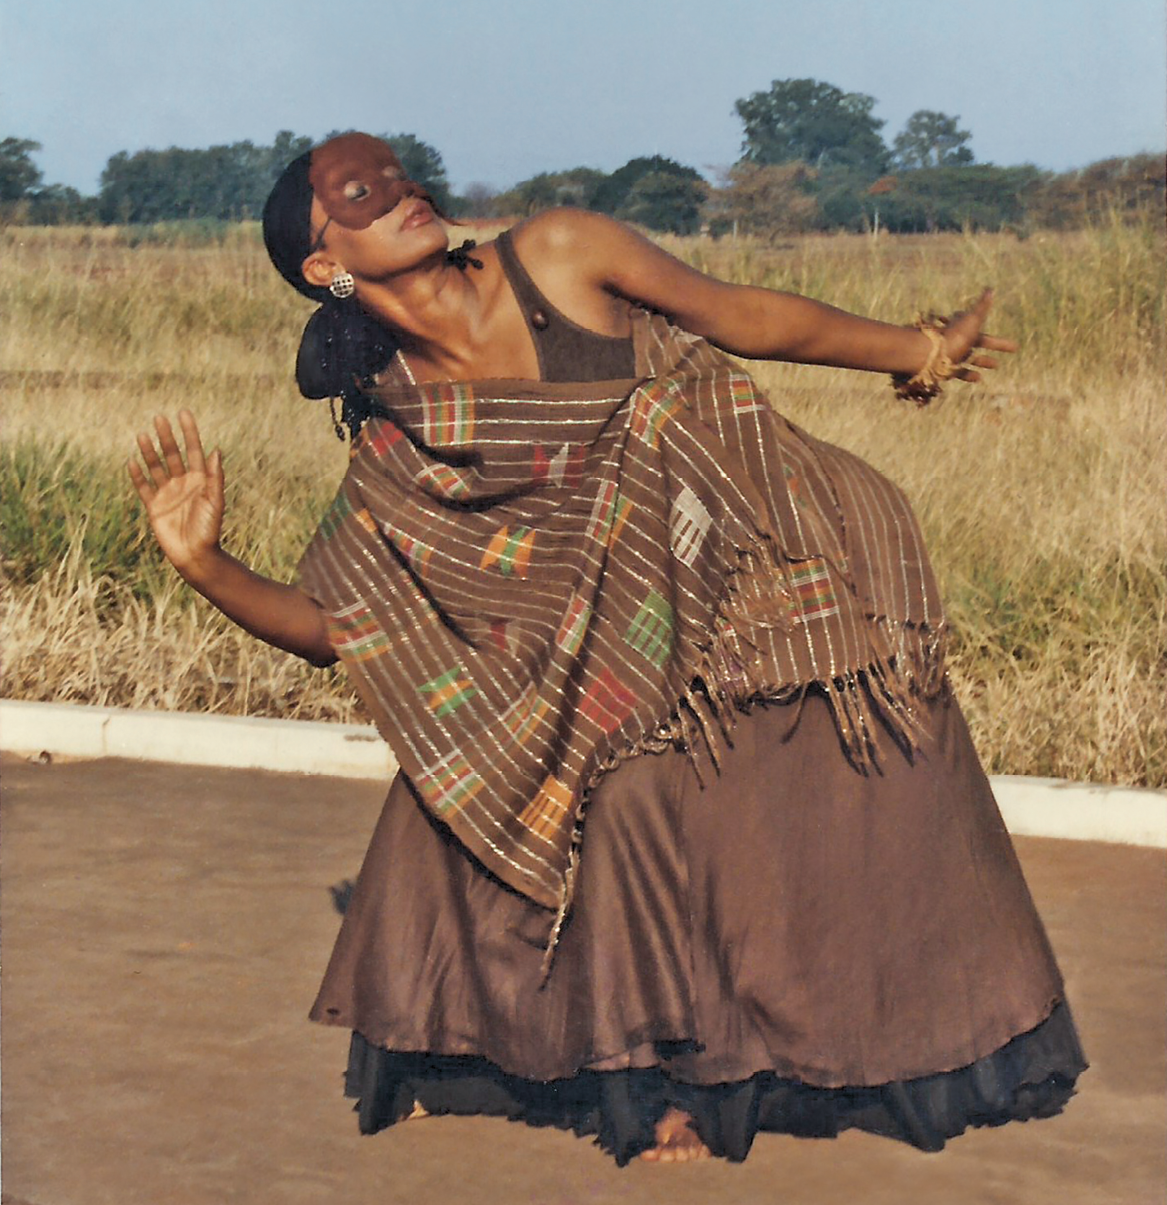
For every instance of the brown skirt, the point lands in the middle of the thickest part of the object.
(791, 918)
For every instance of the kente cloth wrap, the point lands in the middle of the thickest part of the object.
(527, 581)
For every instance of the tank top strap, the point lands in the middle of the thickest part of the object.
(566, 350)
(526, 292)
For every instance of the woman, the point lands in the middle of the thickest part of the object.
(689, 839)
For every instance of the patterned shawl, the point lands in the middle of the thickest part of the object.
(527, 582)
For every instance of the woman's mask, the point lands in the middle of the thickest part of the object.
(358, 178)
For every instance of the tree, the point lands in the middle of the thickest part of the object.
(931, 139)
(1128, 188)
(665, 201)
(844, 199)
(612, 192)
(477, 201)
(576, 186)
(19, 176)
(222, 182)
(170, 185)
(59, 205)
(766, 201)
(979, 196)
(812, 121)
(529, 196)
(284, 148)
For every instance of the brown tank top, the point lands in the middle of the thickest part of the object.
(566, 350)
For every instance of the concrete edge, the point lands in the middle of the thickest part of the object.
(1031, 807)
(234, 742)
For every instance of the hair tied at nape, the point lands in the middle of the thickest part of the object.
(340, 349)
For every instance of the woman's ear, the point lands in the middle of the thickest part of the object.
(319, 270)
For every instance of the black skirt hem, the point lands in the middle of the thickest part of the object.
(1031, 1076)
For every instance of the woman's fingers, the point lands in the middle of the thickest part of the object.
(171, 463)
(194, 445)
(989, 342)
(169, 445)
(993, 343)
(971, 325)
(154, 466)
(145, 490)
(215, 479)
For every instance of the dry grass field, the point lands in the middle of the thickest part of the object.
(1041, 492)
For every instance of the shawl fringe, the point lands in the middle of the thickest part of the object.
(882, 694)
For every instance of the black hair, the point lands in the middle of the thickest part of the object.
(287, 225)
(340, 349)
(342, 346)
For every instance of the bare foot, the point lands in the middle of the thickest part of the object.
(676, 1140)
(419, 1111)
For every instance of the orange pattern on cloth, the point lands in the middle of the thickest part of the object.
(706, 544)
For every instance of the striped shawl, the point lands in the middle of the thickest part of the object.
(528, 581)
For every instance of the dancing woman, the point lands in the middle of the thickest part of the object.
(689, 839)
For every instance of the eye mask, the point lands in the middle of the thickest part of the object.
(357, 179)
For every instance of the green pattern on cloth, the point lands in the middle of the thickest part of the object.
(516, 632)
(651, 631)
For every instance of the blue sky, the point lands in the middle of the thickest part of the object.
(511, 88)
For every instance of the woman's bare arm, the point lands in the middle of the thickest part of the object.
(745, 320)
(184, 503)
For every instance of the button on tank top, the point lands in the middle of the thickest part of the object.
(566, 350)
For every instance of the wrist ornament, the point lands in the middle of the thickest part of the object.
(924, 385)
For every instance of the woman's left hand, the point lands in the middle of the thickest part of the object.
(965, 337)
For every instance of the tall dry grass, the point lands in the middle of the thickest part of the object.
(1041, 492)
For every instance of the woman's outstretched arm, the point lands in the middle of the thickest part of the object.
(184, 503)
(745, 320)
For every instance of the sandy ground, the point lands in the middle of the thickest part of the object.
(164, 930)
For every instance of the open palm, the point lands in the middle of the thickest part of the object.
(183, 497)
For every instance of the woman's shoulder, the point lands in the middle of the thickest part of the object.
(570, 256)
(573, 253)
(565, 231)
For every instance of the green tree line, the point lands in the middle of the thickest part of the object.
(221, 183)
(813, 157)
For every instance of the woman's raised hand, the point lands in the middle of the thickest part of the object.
(183, 497)
(184, 503)
(965, 336)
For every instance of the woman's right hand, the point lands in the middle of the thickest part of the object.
(184, 503)
(183, 497)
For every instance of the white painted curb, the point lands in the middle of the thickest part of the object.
(1034, 807)
(1083, 811)
(235, 742)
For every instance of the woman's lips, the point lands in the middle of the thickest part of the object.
(419, 214)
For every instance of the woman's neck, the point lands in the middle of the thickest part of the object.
(447, 317)
(427, 304)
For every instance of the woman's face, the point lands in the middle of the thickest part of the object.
(358, 179)
(400, 240)
(366, 216)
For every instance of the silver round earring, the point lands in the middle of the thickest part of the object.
(342, 285)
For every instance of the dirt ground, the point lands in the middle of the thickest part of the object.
(164, 929)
